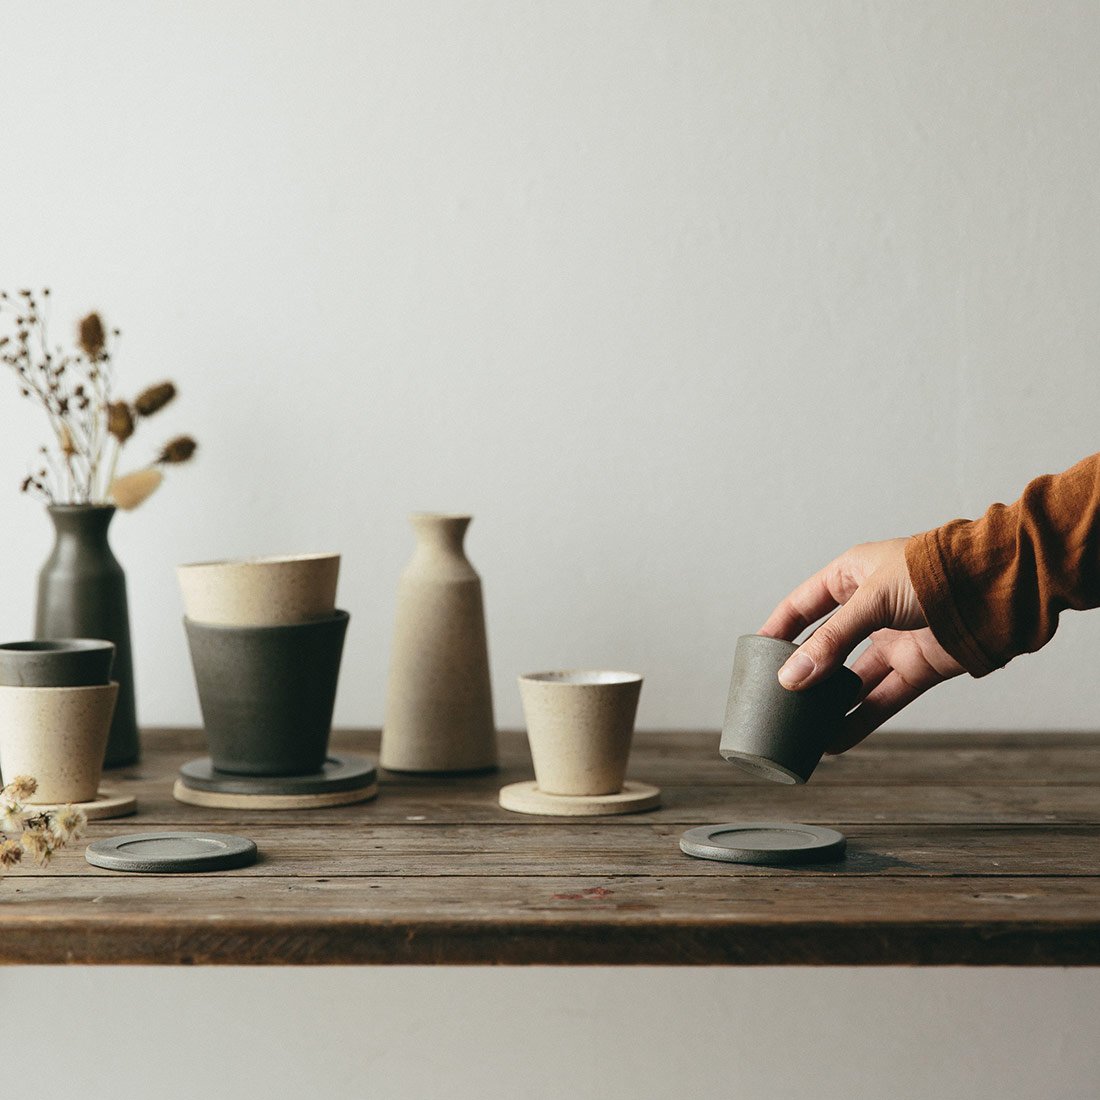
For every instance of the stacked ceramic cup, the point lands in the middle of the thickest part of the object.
(266, 640)
(56, 704)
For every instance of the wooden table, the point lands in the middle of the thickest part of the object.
(974, 849)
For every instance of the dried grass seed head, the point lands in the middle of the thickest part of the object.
(178, 450)
(153, 399)
(21, 788)
(67, 823)
(39, 843)
(120, 420)
(92, 335)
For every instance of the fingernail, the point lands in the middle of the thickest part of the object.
(796, 670)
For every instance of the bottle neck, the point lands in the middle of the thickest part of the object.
(82, 522)
(439, 545)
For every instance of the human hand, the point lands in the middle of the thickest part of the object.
(870, 587)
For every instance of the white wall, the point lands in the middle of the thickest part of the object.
(679, 298)
(545, 1034)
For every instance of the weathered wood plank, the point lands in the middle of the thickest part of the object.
(987, 769)
(531, 850)
(703, 921)
(964, 849)
(476, 803)
(188, 738)
(900, 766)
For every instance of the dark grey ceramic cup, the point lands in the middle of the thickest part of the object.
(777, 733)
(56, 662)
(267, 692)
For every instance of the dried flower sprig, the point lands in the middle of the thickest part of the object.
(25, 830)
(90, 427)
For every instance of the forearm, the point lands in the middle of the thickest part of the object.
(993, 588)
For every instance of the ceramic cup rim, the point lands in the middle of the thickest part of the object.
(582, 677)
(452, 517)
(259, 562)
(90, 689)
(57, 645)
(331, 619)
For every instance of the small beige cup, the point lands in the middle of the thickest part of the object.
(580, 725)
(277, 591)
(58, 735)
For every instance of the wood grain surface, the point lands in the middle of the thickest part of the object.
(975, 849)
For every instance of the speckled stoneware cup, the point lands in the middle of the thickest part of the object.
(580, 725)
(260, 591)
(777, 733)
(58, 735)
(267, 693)
(57, 662)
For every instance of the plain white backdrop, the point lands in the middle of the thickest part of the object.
(679, 299)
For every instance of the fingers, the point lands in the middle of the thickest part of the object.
(827, 647)
(811, 600)
(872, 667)
(892, 695)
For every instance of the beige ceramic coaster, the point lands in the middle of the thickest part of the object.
(226, 800)
(526, 798)
(105, 804)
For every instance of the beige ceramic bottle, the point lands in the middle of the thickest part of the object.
(439, 706)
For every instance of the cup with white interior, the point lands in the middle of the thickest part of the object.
(580, 725)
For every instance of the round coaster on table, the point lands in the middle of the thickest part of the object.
(171, 853)
(342, 780)
(767, 842)
(526, 798)
(105, 804)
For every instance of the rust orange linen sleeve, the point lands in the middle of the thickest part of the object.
(993, 588)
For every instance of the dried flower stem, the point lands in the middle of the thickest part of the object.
(75, 390)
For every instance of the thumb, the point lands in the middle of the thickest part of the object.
(825, 650)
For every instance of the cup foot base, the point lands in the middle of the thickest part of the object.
(762, 766)
(446, 773)
(105, 804)
(526, 798)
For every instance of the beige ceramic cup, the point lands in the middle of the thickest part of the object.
(57, 735)
(277, 591)
(580, 725)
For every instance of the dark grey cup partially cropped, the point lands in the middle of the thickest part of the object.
(56, 662)
(267, 692)
(774, 732)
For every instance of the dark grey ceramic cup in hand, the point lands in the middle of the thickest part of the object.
(56, 662)
(777, 733)
(267, 692)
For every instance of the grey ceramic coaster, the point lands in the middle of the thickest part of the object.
(171, 853)
(342, 781)
(339, 773)
(769, 842)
